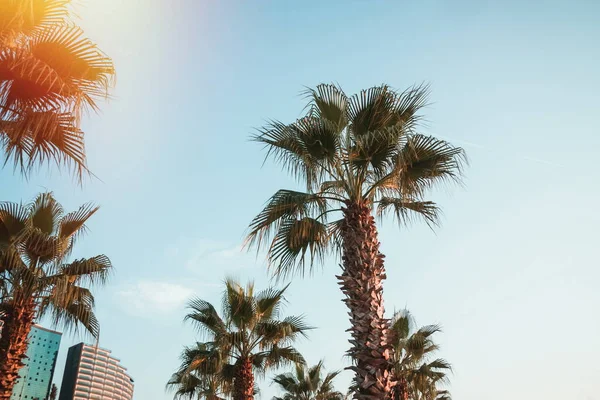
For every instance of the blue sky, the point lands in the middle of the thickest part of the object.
(512, 275)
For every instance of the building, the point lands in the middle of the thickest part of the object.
(35, 378)
(92, 373)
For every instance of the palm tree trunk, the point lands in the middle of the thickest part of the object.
(361, 282)
(400, 391)
(244, 380)
(13, 344)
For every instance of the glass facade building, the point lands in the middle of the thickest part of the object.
(35, 378)
(92, 373)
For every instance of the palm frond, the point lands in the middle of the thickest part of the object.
(294, 239)
(281, 333)
(35, 137)
(268, 302)
(371, 110)
(335, 188)
(28, 16)
(94, 270)
(13, 220)
(304, 148)
(71, 308)
(330, 103)
(284, 205)
(424, 161)
(401, 324)
(75, 59)
(376, 149)
(239, 306)
(406, 210)
(277, 357)
(73, 223)
(205, 318)
(46, 213)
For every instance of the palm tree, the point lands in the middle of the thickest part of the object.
(249, 339)
(208, 382)
(49, 73)
(418, 377)
(353, 154)
(308, 384)
(35, 243)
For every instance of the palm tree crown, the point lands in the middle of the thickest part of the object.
(308, 384)
(249, 338)
(419, 376)
(49, 73)
(363, 149)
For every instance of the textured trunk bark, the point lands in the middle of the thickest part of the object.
(244, 380)
(361, 282)
(400, 390)
(13, 344)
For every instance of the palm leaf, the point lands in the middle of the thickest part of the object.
(27, 16)
(277, 357)
(329, 102)
(36, 137)
(268, 302)
(405, 210)
(238, 305)
(296, 238)
(88, 270)
(304, 147)
(74, 222)
(284, 205)
(283, 332)
(75, 59)
(46, 213)
(205, 317)
(13, 220)
(424, 161)
(69, 307)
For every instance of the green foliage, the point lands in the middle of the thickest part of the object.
(50, 73)
(308, 383)
(363, 149)
(414, 365)
(249, 328)
(35, 244)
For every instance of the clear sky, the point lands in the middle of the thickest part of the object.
(512, 274)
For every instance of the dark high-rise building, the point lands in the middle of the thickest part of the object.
(35, 377)
(92, 373)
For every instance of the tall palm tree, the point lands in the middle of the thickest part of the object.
(35, 243)
(250, 338)
(308, 384)
(49, 73)
(354, 155)
(419, 376)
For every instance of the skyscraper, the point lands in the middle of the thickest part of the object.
(92, 373)
(36, 376)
